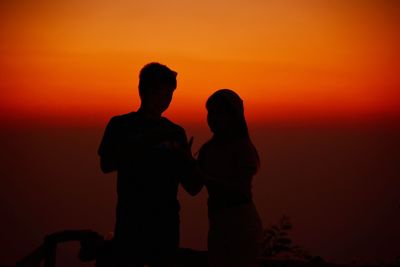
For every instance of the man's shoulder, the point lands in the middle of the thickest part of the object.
(172, 125)
(122, 122)
(123, 118)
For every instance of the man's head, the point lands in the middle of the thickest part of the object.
(157, 83)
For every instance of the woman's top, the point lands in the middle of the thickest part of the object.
(228, 167)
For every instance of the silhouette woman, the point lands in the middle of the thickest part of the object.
(229, 161)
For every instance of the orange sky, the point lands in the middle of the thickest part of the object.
(78, 61)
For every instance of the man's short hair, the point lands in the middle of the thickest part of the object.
(154, 75)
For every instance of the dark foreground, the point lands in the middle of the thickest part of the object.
(93, 247)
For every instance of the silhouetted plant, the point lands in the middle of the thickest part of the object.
(277, 240)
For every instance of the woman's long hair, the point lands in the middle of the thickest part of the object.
(231, 101)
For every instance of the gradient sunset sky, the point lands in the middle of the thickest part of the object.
(77, 62)
(66, 67)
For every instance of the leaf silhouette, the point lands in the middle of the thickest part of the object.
(284, 241)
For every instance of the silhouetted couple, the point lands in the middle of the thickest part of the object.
(152, 156)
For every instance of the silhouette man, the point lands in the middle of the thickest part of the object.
(152, 157)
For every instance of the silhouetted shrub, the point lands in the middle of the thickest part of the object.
(276, 240)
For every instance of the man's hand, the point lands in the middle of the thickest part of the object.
(185, 151)
(192, 180)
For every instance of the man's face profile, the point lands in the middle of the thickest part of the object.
(158, 98)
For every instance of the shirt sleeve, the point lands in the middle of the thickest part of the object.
(108, 144)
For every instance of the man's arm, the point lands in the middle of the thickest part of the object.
(108, 148)
(191, 179)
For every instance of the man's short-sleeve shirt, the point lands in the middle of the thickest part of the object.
(148, 161)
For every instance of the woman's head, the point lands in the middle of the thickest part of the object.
(226, 114)
(226, 118)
